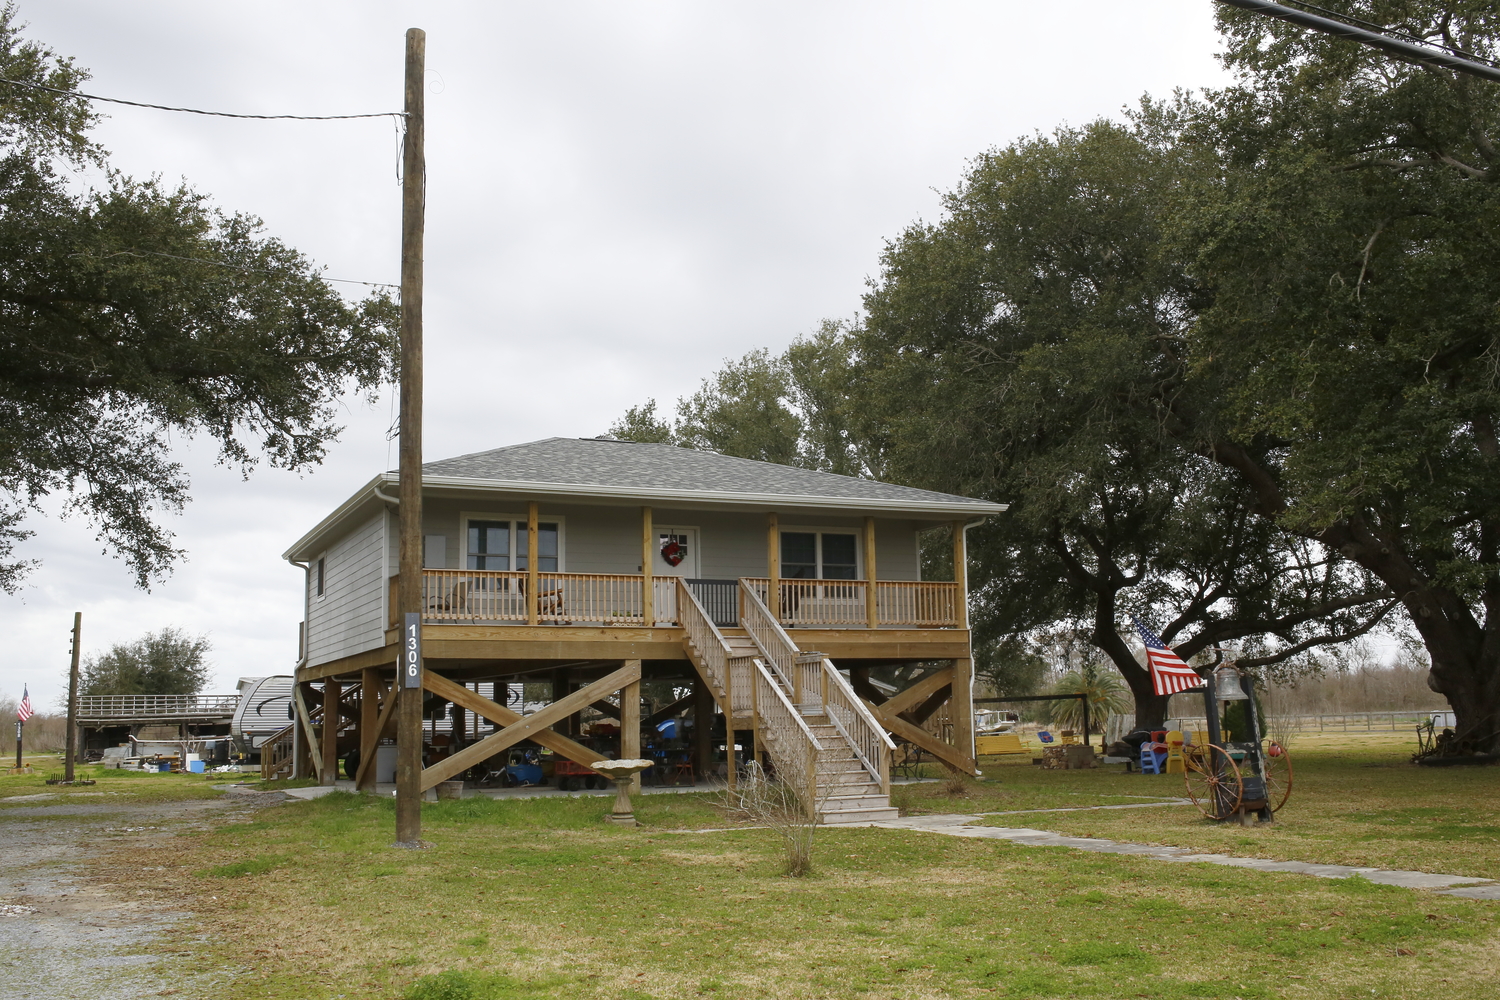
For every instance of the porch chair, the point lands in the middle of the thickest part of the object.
(549, 603)
(455, 600)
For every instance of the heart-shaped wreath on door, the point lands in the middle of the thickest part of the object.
(672, 551)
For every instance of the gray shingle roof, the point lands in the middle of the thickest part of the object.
(634, 469)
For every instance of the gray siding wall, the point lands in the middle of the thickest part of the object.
(349, 617)
(605, 539)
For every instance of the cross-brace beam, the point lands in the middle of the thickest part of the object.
(535, 726)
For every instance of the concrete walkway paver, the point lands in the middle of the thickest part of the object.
(958, 825)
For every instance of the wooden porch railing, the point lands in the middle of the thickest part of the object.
(453, 595)
(841, 603)
(777, 647)
(450, 595)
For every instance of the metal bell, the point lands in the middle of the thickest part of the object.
(1227, 684)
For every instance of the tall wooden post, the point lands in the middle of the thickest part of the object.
(630, 723)
(648, 552)
(532, 614)
(872, 608)
(72, 750)
(413, 210)
(773, 567)
(703, 728)
(333, 693)
(369, 723)
(962, 703)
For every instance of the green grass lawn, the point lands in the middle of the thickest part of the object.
(538, 898)
(111, 785)
(1355, 801)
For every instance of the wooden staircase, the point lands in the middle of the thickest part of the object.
(815, 729)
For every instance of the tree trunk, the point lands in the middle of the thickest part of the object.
(1150, 707)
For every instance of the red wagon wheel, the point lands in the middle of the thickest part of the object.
(1276, 769)
(1213, 780)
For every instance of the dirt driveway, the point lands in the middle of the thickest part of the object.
(66, 931)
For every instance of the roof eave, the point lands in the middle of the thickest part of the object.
(769, 500)
(364, 493)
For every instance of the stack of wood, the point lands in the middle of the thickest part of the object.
(1072, 757)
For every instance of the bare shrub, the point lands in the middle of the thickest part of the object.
(958, 783)
(762, 799)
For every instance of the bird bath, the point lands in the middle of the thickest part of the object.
(620, 772)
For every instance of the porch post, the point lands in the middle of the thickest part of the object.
(648, 596)
(872, 609)
(630, 722)
(703, 728)
(962, 703)
(369, 723)
(332, 693)
(773, 568)
(531, 579)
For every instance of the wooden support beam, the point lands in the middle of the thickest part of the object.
(676, 708)
(872, 608)
(703, 728)
(533, 727)
(919, 692)
(332, 695)
(630, 720)
(773, 570)
(532, 616)
(364, 777)
(648, 565)
(314, 757)
(961, 709)
(919, 715)
(899, 727)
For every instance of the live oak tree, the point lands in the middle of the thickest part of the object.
(131, 312)
(1347, 354)
(1015, 350)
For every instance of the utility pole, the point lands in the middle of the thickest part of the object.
(409, 588)
(72, 752)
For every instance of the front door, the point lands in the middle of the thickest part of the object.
(675, 551)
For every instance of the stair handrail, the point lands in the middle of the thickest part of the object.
(796, 757)
(706, 638)
(847, 713)
(768, 635)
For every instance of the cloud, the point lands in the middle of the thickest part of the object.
(620, 196)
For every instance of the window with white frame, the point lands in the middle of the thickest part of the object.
(819, 555)
(502, 544)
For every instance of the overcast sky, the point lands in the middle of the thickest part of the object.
(620, 196)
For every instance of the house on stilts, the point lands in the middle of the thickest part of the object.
(585, 567)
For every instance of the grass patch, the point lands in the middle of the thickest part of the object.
(115, 786)
(245, 867)
(1355, 801)
(539, 898)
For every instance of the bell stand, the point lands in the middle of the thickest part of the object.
(1254, 801)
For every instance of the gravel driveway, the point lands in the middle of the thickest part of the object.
(66, 933)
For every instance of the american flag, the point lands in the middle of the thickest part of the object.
(1169, 674)
(23, 711)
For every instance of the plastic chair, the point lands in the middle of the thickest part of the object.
(1176, 764)
(1153, 754)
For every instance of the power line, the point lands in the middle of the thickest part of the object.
(240, 267)
(398, 115)
(1426, 53)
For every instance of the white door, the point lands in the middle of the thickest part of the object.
(675, 551)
